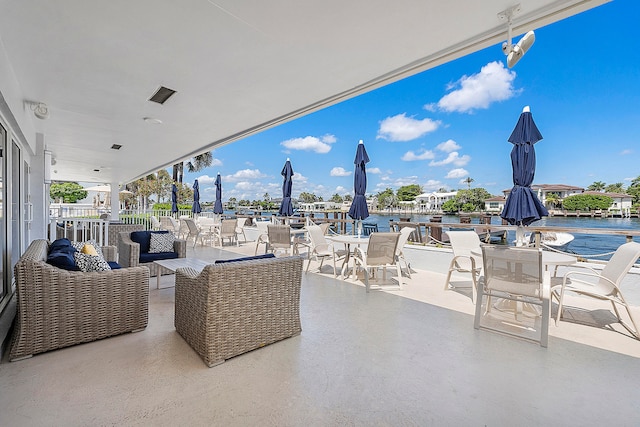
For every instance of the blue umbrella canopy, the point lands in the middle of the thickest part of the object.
(195, 208)
(359, 210)
(522, 206)
(286, 208)
(217, 207)
(174, 199)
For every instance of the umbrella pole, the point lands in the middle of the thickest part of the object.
(520, 235)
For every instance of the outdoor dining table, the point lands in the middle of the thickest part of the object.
(348, 240)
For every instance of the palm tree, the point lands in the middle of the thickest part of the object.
(597, 186)
(469, 180)
(197, 163)
(552, 199)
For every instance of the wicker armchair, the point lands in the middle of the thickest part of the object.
(58, 308)
(232, 308)
(129, 252)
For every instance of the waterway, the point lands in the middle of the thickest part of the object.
(583, 244)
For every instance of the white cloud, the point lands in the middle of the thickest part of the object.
(338, 171)
(341, 190)
(206, 180)
(243, 175)
(329, 139)
(397, 183)
(374, 170)
(493, 83)
(403, 128)
(308, 143)
(298, 178)
(432, 185)
(626, 152)
(453, 158)
(410, 156)
(457, 173)
(448, 146)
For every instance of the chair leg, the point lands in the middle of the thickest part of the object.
(544, 322)
(479, 297)
(446, 282)
(399, 275)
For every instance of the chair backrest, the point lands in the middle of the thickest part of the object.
(325, 227)
(279, 235)
(367, 229)
(166, 223)
(228, 226)
(404, 237)
(620, 263)
(191, 226)
(462, 243)
(262, 226)
(155, 224)
(517, 271)
(416, 233)
(381, 249)
(316, 235)
(241, 222)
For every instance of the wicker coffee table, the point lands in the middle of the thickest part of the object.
(171, 265)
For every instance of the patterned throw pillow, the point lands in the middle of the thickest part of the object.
(80, 245)
(161, 242)
(88, 263)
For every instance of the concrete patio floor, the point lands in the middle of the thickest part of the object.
(407, 357)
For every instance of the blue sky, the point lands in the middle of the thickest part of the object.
(581, 79)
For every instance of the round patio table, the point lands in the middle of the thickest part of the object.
(348, 240)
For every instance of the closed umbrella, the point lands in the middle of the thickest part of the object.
(522, 206)
(174, 199)
(217, 206)
(195, 208)
(359, 210)
(286, 208)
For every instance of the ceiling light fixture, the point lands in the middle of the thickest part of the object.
(40, 109)
(515, 52)
(152, 120)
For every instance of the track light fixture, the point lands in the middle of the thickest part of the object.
(515, 52)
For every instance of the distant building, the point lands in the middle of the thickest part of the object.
(432, 202)
(621, 202)
(494, 204)
(543, 190)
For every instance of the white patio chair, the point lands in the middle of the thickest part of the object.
(263, 237)
(227, 230)
(193, 231)
(463, 243)
(170, 224)
(279, 238)
(404, 237)
(603, 285)
(320, 249)
(155, 224)
(380, 253)
(208, 229)
(514, 274)
(240, 229)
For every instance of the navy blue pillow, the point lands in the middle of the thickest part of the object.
(249, 258)
(62, 244)
(114, 265)
(62, 259)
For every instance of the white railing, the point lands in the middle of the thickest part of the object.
(80, 229)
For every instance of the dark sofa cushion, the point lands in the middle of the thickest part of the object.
(248, 258)
(144, 239)
(114, 265)
(61, 255)
(155, 257)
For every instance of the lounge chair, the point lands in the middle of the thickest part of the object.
(380, 253)
(463, 244)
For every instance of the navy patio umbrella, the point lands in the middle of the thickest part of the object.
(522, 206)
(217, 207)
(174, 199)
(195, 208)
(286, 208)
(359, 210)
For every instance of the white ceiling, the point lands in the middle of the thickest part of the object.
(238, 66)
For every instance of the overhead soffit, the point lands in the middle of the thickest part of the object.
(238, 67)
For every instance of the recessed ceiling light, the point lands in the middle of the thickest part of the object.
(152, 120)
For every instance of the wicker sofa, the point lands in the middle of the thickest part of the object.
(58, 308)
(129, 252)
(232, 308)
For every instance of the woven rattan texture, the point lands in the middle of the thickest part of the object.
(129, 252)
(58, 308)
(230, 309)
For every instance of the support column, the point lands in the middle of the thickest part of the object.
(115, 202)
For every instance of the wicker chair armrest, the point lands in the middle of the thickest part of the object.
(180, 246)
(128, 251)
(110, 253)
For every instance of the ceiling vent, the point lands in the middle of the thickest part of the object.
(161, 95)
(116, 146)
